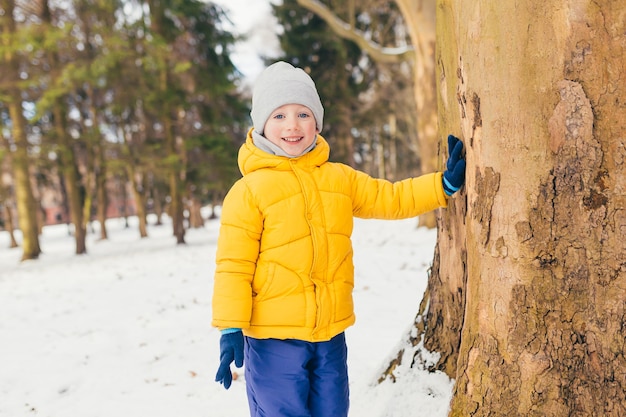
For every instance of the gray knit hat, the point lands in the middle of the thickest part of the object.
(280, 84)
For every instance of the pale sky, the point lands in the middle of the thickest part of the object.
(254, 20)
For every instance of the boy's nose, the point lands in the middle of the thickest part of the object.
(293, 122)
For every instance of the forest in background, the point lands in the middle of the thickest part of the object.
(111, 108)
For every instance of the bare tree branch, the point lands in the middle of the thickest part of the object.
(375, 51)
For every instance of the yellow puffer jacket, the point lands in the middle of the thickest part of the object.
(284, 254)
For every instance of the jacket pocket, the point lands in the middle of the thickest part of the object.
(262, 281)
(281, 300)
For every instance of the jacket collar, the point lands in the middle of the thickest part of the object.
(252, 158)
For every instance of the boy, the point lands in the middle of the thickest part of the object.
(284, 275)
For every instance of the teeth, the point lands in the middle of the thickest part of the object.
(292, 139)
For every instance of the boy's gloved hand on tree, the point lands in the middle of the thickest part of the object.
(454, 176)
(231, 349)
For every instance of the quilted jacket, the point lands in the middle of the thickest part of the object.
(284, 255)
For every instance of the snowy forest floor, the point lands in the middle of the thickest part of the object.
(125, 329)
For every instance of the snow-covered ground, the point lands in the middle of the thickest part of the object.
(125, 330)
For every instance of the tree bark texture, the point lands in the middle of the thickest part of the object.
(532, 252)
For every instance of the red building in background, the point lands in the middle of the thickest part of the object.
(54, 209)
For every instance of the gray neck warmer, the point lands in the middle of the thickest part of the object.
(265, 145)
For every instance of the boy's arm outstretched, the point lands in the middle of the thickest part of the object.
(379, 198)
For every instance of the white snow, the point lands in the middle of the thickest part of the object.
(125, 330)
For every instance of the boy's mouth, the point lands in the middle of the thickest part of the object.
(292, 139)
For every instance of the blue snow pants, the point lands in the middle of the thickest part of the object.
(294, 378)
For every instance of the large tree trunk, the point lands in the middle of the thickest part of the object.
(529, 282)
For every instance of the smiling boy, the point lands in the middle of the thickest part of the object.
(284, 276)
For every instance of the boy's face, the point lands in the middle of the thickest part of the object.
(292, 127)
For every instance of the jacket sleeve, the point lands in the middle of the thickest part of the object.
(237, 252)
(382, 199)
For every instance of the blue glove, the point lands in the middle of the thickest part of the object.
(454, 176)
(231, 348)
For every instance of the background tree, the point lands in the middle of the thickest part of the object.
(10, 80)
(182, 31)
(104, 101)
(57, 47)
(97, 44)
(6, 215)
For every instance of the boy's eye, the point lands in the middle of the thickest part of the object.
(278, 116)
(304, 115)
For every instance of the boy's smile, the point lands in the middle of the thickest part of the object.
(295, 139)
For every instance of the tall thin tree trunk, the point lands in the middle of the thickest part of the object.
(195, 213)
(67, 157)
(99, 162)
(176, 209)
(5, 201)
(8, 224)
(137, 181)
(67, 164)
(136, 173)
(158, 205)
(27, 207)
(102, 196)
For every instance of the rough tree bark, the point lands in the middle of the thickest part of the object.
(527, 298)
